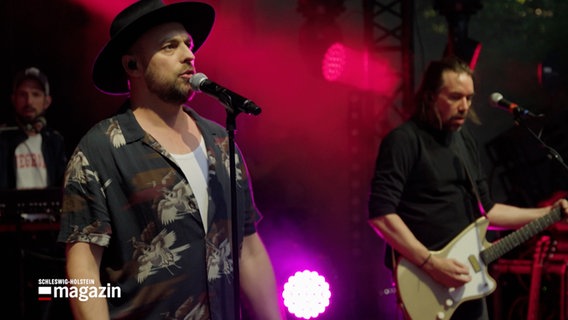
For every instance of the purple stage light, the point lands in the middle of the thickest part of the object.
(306, 294)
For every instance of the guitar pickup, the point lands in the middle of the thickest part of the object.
(474, 263)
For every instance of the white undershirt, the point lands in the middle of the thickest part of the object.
(30, 166)
(194, 167)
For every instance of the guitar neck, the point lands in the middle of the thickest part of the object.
(519, 236)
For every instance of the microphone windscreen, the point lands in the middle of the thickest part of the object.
(196, 81)
(495, 98)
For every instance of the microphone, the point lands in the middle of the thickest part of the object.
(36, 125)
(200, 82)
(497, 100)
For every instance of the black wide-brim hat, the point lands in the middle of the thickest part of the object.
(108, 73)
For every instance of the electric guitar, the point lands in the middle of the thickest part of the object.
(424, 298)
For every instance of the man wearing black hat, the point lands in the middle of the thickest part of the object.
(146, 209)
(32, 155)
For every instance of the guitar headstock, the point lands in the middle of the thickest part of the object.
(544, 246)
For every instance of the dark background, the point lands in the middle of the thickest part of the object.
(310, 155)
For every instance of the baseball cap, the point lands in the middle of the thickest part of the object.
(34, 74)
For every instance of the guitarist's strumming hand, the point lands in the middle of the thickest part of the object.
(448, 272)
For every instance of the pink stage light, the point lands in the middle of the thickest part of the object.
(334, 62)
(357, 69)
(306, 294)
(475, 55)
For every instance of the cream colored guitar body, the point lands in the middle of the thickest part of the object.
(423, 298)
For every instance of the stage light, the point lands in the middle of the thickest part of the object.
(319, 30)
(357, 69)
(458, 13)
(548, 72)
(306, 294)
(466, 49)
(334, 62)
(476, 50)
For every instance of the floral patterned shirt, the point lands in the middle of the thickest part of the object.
(124, 191)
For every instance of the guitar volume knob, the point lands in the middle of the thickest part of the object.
(440, 315)
(449, 302)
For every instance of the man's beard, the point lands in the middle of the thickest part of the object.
(27, 119)
(167, 91)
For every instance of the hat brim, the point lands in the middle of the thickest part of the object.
(108, 73)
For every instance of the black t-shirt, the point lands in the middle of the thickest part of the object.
(420, 176)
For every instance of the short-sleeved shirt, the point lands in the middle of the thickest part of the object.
(125, 192)
(421, 175)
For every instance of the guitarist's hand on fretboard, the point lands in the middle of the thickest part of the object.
(448, 272)
(563, 204)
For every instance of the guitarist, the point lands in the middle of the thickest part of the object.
(428, 183)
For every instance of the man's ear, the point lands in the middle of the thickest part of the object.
(129, 63)
(48, 101)
(132, 65)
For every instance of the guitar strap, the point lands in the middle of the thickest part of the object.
(460, 150)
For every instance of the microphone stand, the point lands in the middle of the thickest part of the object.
(231, 128)
(231, 125)
(520, 118)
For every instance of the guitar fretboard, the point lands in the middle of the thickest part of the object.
(519, 236)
